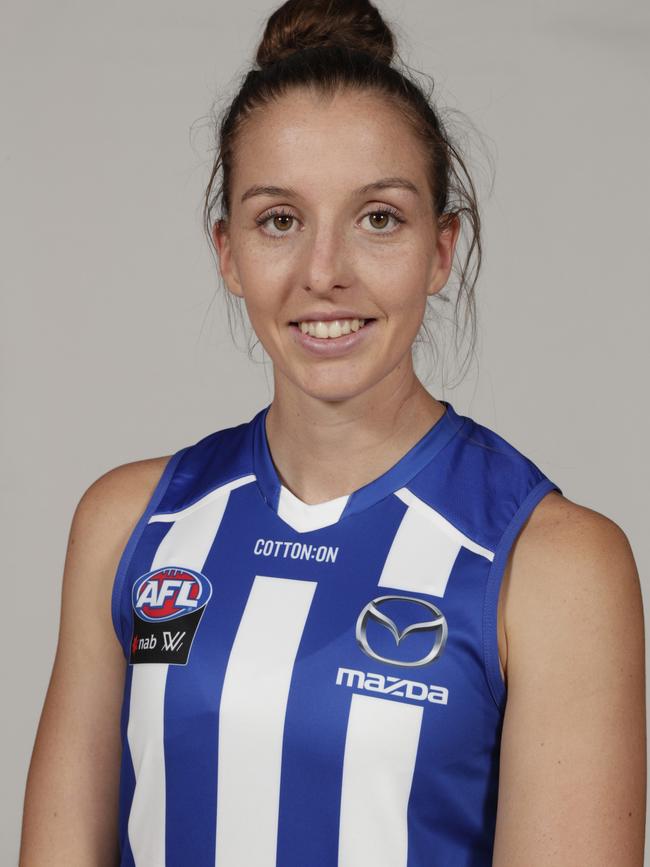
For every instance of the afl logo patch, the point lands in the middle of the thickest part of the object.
(168, 604)
(168, 593)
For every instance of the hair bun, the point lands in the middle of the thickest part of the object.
(300, 24)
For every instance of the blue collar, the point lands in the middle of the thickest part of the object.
(394, 478)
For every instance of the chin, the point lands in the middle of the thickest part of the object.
(335, 389)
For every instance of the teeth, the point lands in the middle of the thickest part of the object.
(335, 328)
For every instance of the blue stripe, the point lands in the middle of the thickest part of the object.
(127, 778)
(125, 559)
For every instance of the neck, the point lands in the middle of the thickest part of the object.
(326, 449)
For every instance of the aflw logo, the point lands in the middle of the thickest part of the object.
(388, 685)
(172, 643)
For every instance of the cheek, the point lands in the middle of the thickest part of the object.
(405, 299)
(263, 294)
(399, 282)
(263, 316)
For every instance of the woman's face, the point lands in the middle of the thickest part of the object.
(332, 219)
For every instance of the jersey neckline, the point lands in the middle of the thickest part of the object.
(304, 517)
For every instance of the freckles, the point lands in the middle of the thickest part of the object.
(405, 292)
(253, 252)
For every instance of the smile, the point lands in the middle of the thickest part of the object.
(332, 338)
(331, 329)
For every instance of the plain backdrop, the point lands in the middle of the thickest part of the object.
(114, 338)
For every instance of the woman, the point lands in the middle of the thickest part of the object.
(360, 628)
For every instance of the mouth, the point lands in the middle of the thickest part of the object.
(330, 329)
(332, 338)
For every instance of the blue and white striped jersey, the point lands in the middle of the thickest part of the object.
(318, 685)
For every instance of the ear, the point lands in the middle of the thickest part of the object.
(446, 239)
(227, 267)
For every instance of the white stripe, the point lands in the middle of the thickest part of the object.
(410, 499)
(380, 750)
(424, 549)
(186, 545)
(304, 517)
(251, 720)
(145, 735)
(218, 493)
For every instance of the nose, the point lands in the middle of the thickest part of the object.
(326, 262)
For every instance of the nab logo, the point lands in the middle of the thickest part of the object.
(170, 642)
(168, 593)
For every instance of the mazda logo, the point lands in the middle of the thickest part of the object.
(436, 624)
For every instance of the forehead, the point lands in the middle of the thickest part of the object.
(343, 140)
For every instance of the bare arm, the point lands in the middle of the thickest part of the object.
(573, 757)
(71, 800)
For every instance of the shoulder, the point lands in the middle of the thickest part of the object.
(132, 483)
(573, 749)
(571, 571)
(112, 504)
(121, 493)
(561, 535)
(103, 521)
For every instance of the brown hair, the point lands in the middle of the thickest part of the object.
(328, 46)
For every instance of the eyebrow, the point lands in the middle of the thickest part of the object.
(288, 192)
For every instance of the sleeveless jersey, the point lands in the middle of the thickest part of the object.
(318, 685)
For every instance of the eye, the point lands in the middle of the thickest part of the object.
(382, 213)
(280, 219)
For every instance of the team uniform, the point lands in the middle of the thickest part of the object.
(318, 685)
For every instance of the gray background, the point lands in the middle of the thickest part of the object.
(113, 348)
